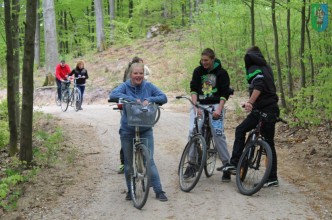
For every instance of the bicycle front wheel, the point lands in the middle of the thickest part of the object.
(211, 154)
(254, 167)
(77, 99)
(65, 100)
(192, 162)
(141, 178)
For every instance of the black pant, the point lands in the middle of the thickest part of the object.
(58, 83)
(268, 131)
(121, 156)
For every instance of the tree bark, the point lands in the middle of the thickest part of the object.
(252, 17)
(303, 78)
(112, 18)
(289, 53)
(101, 44)
(27, 97)
(50, 36)
(276, 49)
(12, 91)
(37, 39)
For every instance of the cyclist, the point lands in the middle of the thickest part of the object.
(210, 85)
(61, 72)
(82, 74)
(136, 59)
(126, 77)
(262, 97)
(139, 90)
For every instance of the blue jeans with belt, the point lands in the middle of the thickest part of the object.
(127, 146)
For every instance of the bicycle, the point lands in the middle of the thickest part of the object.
(199, 153)
(72, 96)
(255, 163)
(140, 174)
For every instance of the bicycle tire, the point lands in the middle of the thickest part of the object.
(254, 167)
(77, 99)
(57, 100)
(140, 180)
(196, 143)
(65, 100)
(157, 116)
(211, 154)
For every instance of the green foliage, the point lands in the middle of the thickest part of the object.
(4, 132)
(313, 105)
(47, 154)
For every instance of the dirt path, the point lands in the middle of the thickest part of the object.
(100, 194)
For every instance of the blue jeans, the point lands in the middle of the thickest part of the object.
(81, 88)
(127, 146)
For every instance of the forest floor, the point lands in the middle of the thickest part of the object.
(90, 188)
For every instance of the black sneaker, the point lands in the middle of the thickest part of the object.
(190, 172)
(230, 168)
(226, 177)
(128, 196)
(270, 183)
(161, 196)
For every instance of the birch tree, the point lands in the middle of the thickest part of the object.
(50, 36)
(101, 43)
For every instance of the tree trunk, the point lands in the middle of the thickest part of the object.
(289, 53)
(112, 18)
(276, 49)
(183, 9)
(311, 60)
(50, 36)
(101, 44)
(11, 87)
(27, 97)
(252, 16)
(37, 39)
(303, 78)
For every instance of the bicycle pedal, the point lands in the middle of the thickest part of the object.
(212, 151)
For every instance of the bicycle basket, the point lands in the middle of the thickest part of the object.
(139, 115)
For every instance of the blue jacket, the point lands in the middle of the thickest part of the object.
(145, 91)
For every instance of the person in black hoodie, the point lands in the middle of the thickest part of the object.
(263, 98)
(210, 86)
(82, 74)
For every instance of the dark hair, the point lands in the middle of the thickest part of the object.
(254, 49)
(62, 61)
(208, 52)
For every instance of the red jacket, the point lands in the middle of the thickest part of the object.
(62, 72)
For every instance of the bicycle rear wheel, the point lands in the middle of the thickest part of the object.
(192, 162)
(77, 99)
(65, 100)
(141, 178)
(254, 167)
(211, 154)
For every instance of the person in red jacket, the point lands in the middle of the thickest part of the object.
(61, 72)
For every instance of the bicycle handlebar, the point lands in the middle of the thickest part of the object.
(196, 105)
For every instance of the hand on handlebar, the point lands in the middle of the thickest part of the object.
(247, 106)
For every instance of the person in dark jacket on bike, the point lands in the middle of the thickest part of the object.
(263, 98)
(82, 74)
(210, 86)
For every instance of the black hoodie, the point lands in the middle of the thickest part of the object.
(210, 86)
(260, 77)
